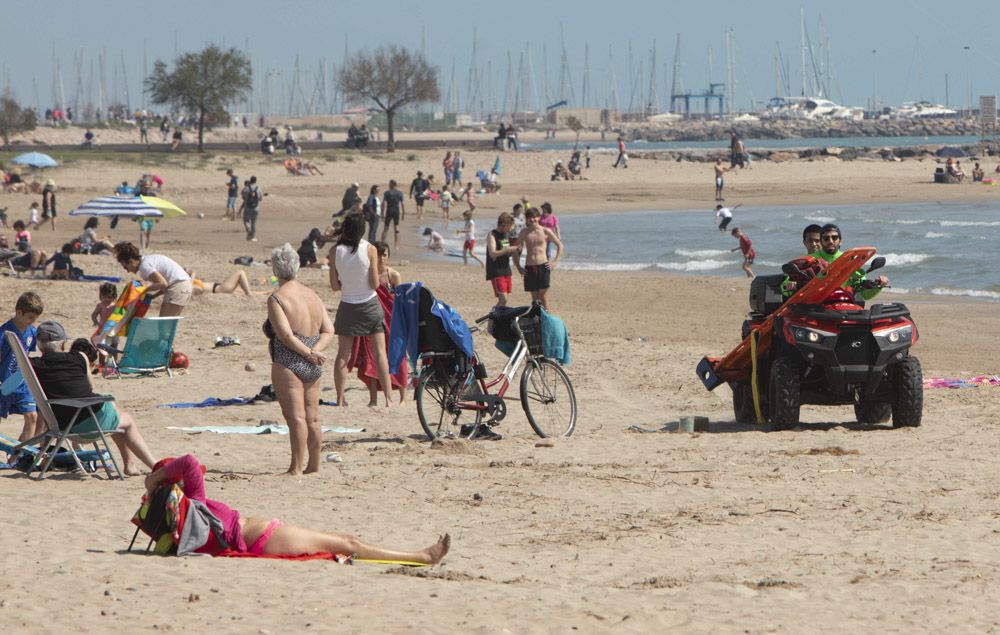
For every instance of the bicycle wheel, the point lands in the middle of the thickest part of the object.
(548, 399)
(439, 415)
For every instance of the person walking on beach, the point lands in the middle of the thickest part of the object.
(143, 130)
(373, 213)
(622, 156)
(445, 202)
(725, 216)
(418, 187)
(719, 171)
(251, 208)
(537, 269)
(232, 191)
(49, 203)
(392, 203)
(746, 246)
(298, 329)
(457, 163)
(469, 243)
(736, 151)
(447, 165)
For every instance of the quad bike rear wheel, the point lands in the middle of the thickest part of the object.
(908, 386)
(785, 396)
(872, 411)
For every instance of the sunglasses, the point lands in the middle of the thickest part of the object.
(830, 238)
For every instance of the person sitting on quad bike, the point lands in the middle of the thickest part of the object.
(829, 238)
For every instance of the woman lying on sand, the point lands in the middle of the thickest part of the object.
(258, 535)
(236, 281)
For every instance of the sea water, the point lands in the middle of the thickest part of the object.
(935, 248)
(611, 145)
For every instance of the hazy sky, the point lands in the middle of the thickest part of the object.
(915, 42)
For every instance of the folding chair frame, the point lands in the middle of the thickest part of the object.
(63, 437)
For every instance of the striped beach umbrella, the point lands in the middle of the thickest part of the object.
(128, 206)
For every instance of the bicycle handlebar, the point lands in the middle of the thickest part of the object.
(484, 318)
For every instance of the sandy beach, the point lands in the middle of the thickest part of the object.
(834, 526)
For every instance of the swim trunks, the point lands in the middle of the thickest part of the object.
(502, 284)
(469, 244)
(536, 277)
(392, 217)
(258, 546)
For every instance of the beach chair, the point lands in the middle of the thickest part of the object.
(148, 348)
(63, 436)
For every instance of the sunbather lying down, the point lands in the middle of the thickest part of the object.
(236, 281)
(259, 536)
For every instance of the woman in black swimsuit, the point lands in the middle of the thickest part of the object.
(299, 329)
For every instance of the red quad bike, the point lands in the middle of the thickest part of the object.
(822, 346)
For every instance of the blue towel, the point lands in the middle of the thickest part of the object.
(212, 402)
(555, 338)
(87, 278)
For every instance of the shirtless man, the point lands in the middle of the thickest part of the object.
(719, 171)
(537, 267)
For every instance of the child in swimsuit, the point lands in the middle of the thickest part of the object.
(537, 268)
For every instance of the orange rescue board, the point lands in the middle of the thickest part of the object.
(736, 365)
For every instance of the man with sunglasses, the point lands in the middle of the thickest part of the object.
(830, 241)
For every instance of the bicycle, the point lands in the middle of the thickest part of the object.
(453, 395)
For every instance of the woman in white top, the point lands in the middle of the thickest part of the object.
(354, 272)
(161, 274)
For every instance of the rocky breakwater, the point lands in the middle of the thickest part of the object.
(719, 130)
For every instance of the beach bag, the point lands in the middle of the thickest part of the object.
(161, 516)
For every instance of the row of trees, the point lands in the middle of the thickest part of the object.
(204, 83)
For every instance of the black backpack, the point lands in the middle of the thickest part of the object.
(253, 197)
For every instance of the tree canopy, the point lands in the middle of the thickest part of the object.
(390, 77)
(14, 119)
(202, 83)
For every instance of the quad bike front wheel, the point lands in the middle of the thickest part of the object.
(908, 389)
(785, 395)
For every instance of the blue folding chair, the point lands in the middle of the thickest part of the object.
(148, 348)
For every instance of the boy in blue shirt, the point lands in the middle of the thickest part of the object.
(19, 400)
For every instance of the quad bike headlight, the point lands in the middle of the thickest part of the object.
(898, 335)
(804, 334)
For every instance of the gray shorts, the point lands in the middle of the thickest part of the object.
(358, 320)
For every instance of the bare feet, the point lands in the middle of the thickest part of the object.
(437, 551)
(131, 471)
(290, 473)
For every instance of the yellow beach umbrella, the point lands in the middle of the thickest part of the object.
(169, 209)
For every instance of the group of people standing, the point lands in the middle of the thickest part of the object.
(250, 197)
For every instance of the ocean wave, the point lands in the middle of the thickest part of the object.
(820, 219)
(972, 293)
(937, 235)
(700, 253)
(695, 265)
(615, 266)
(894, 260)
(969, 223)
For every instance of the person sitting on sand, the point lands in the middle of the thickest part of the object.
(62, 263)
(559, 172)
(269, 536)
(977, 173)
(90, 243)
(307, 250)
(30, 257)
(64, 373)
(435, 241)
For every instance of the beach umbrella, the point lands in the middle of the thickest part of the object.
(169, 209)
(950, 152)
(35, 160)
(127, 206)
(119, 206)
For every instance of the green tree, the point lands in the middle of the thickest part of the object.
(14, 119)
(204, 83)
(390, 77)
